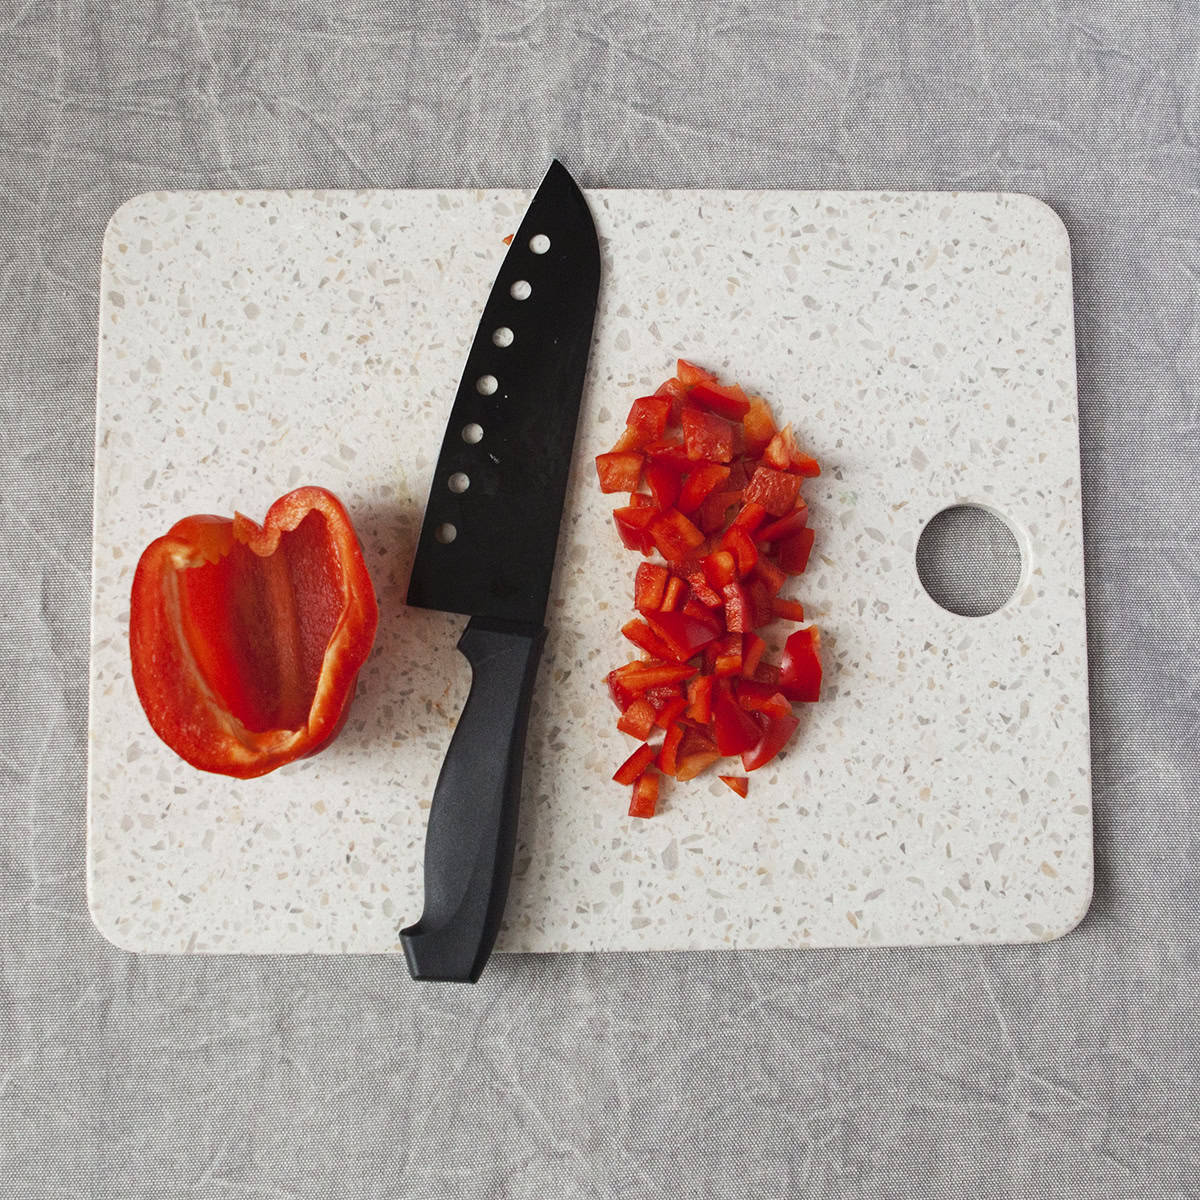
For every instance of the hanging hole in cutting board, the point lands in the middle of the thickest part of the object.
(969, 560)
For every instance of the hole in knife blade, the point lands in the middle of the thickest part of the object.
(472, 433)
(445, 533)
(486, 385)
(458, 482)
(539, 243)
(521, 290)
(502, 337)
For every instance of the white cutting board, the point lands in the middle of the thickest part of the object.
(923, 346)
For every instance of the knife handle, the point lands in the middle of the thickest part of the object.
(473, 822)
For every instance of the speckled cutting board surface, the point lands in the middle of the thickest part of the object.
(923, 346)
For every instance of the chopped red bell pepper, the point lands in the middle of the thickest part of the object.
(700, 484)
(684, 635)
(631, 438)
(639, 675)
(769, 574)
(642, 636)
(737, 540)
(729, 402)
(635, 764)
(800, 667)
(674, 535)
(633, 527)
(738, 617)
(619, 470)
(767, 673)
(638, 719)
(645, 795)
(664, 481)
(699, 699)
(775, 736)
(753, 648)
(661, 693)
(673, 594)
(750, 517)
(758, 427)
(622, 696)
(697, 752)
(739, 783)
(689, 374)
(246, 640)
(649, 415)
(761, 604)
(703, 612)
(795, 521)
(670, 452)
(728, 659)
(706, 437)
(736, 729)
(788, 610)
(713, 511)
(670, 712)
(794, 552)
(694, 573)
(775, 490)
(667, 760)
(762, 697)
(720, 568)
(649, 584)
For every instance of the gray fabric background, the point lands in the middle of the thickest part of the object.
(1069, 1069)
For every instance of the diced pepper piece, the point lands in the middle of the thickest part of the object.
(800, 666)
(673, 594)
(742, 546)
(649, 584)
(794, 552)
(664, 482)
(736, 730)
(641, 500)
(672, 387)
(703, 612)
(633, 527)
(795, 521)
(787, 610)
(767, 673)
(758, 427)
(761, 610)
(642, 636)
(775, 736)
(674, 535)
(645, 795)
(622, 696)
(649, 414)
(661, 693)
(635, 764)
(750, 517)
(775, 490)
(762, 697)
(670, 712)
(779, 451)
(700, 484)
(729, 402)
(697, 752)
(712, 512)
(769, 574)
(672, 452)
(738, 617)
(728, 660)
(619, 470)
(670, 748)
(689, 374)
(684, 635)
(693, 572)
(631, 438)
(699, 699)
(639, 675)
(753, 648)
(638, 719)
(706, 437)
(739, 783)
(720, 568)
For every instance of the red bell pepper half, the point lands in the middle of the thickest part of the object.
(246, 640)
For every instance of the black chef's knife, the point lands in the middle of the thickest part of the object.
(487, 549)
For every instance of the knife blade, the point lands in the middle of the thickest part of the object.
(487, 549)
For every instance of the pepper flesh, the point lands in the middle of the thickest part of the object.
(246, 640)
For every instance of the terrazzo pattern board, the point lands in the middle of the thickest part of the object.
(923, 346)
